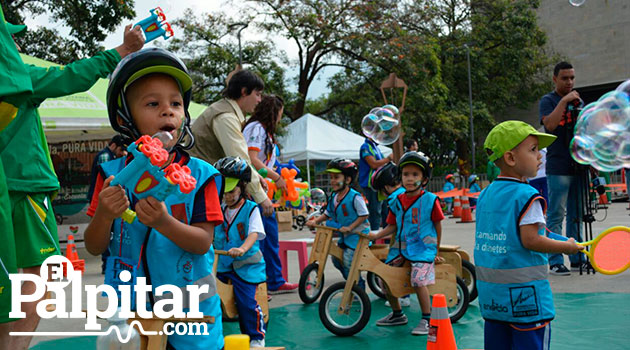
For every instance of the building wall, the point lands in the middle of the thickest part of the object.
(593, 37)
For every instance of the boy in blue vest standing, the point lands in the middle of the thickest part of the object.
(448, 186)
(386, 181)
(170, 241)
(474, 187)
(239, 234)
(347, 210)
(511, 246)
(415, 217)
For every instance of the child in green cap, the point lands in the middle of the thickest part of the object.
(511, 244)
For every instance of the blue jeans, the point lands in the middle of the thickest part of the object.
(344, 266)
(250, 315)
(565, 196)
(270, 247)
(374, 208)
(540, 184)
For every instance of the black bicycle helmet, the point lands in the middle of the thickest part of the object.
(133, 67)
(343, 166)
(385, 175)
(419, 159)
(234, 169)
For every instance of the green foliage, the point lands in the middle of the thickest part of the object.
(89, 22)
(208, 45)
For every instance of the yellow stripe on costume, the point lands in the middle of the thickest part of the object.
(8, 112)
(40, 212)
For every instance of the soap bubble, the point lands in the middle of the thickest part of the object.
(577, 3)
(602, 131)
(382, 124)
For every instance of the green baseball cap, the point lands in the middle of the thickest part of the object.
(15, 29)
(509, 134)
(230, 183)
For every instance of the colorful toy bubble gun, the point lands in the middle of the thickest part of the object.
(155, 26)
(145, 177)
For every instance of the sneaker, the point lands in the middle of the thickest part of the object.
(404, 302)
(391, 320)
(285, 288)
(559, 270)
(269, 297)
(422, 328)
(260, 343)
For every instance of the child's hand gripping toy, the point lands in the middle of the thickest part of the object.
(155, 26)
(145, 177)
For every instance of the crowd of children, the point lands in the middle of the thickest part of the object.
(174, 241)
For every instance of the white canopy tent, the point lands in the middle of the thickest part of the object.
(313, 138)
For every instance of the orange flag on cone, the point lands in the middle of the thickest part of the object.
(441, 335)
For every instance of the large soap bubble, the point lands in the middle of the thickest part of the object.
(602, 132)
(382, 125)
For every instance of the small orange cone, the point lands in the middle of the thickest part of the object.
(441, 335)
(466, 212)
(73, 256)
(457, 208)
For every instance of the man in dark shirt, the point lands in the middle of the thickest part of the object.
(558, 111)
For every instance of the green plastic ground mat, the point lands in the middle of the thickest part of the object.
(583, 321)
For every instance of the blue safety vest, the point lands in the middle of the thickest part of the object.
(393, 246)
(167, 263)
(447, 187)
(416, 237)
(251, 266)
(511, 280)
(345, 214)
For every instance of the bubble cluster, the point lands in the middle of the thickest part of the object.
(602, 131)
(382, 124)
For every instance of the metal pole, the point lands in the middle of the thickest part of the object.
(472, 131)
(308, 172)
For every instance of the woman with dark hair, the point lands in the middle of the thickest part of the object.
(259, 133)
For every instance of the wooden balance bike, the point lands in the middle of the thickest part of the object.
(226, 293)
(345, 308)
(311, 282)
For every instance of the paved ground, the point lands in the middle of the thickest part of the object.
(453, 233)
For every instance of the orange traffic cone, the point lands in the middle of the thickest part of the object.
(466, 212)
(441, 335)
(457, 208)
(73, 256)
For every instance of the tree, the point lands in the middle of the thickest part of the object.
(507, 59)
(89, 23)
(211, 53)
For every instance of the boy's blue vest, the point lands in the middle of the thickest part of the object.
(393, 246)
(416, 237)
(251, 266)
(511, 280)
(447, 187)
(168, 263)
(344, 215)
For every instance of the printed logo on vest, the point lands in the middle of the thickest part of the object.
(184, 266)
(344, 209)
(414, 216)
(241, 231)
(178, 211)
(494, 306)
(524, 301)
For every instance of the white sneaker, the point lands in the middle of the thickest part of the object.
(404, 302)
(257, 343)
(422, 328)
